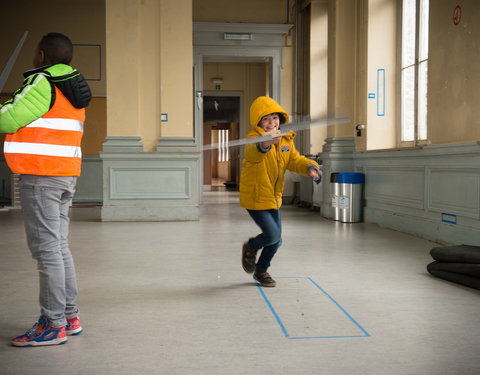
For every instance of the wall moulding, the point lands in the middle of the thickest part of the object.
(414, 190)
(150, 186)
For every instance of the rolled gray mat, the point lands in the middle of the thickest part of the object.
(456, 254)
(460, 268)
(471, 282)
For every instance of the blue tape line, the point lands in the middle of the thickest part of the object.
(381, 95)
(449, 218)
(279, 321)
(325, 337)
(282, 326)
(448, 221)
(340, 307)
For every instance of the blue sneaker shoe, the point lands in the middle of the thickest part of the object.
(41, 334)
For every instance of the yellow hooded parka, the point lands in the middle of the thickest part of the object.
(263, 174)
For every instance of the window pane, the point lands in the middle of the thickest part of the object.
(221, 146)
(222, 138)
(423, 32)
(223, 153)
(422, 100)
(408, 104)
(227, 154)
(408, 33)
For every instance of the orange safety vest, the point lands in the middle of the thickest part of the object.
(49, 145)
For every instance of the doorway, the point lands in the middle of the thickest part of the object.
(221, 116)
(210, 45)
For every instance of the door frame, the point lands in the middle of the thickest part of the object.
(238, 94)
(209, 45)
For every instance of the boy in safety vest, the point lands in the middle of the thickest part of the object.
(262, 181)
(44, 121)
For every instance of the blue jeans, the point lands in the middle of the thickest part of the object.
(45, 204)
(270, 239)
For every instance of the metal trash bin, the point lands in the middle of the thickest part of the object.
(351, 193)
(334, 197)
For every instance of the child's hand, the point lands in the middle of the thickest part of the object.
(313, 172)
(273, 141)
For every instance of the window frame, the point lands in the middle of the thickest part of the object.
(420, 60)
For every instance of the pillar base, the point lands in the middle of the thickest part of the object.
(149, 186)
(336, 156)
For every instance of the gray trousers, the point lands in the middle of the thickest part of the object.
(45, 204)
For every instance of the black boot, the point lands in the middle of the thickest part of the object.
(248, 258)
(264, 278)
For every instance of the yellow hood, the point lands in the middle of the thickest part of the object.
(263, 106)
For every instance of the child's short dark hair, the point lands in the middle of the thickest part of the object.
(281, 116)
(57, 48)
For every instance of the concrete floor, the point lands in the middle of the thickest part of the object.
(172, 298)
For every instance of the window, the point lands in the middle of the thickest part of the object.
(414, 70)
(223, 154)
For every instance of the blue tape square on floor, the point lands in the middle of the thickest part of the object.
(304, 310)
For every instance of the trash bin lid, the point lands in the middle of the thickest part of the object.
(351, 178)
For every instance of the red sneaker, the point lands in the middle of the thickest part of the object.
(41, 334)
(73, 327)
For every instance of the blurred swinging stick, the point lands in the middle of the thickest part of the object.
(8, 68)
(285, 130)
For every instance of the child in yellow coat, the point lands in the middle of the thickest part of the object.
(262, 182)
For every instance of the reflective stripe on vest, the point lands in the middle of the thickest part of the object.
(50, 145)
